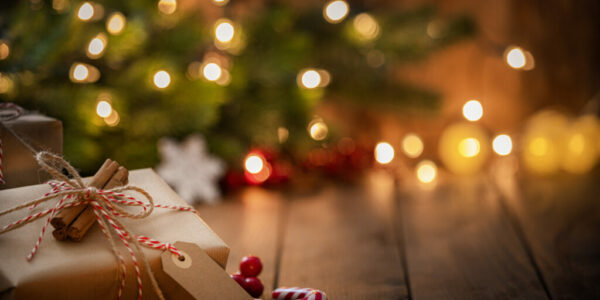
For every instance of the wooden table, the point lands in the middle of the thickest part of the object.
(496, 236)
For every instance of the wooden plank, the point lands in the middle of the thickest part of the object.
(460, 244)
(560, 218)
(248, 223)
(340, 240)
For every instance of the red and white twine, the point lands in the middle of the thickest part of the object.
(294, 293)
(108, 207)
(8, 111)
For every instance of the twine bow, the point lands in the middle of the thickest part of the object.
(8, 111)
(108, 207)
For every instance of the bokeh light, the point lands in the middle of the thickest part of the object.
(162, 79)
(412, 145)
(518, 58)
(220, 2)
(366, 26)
(426, 171)
(115, 23)
(83, 73)
(580, 154)
(472, 110)
(103, 109)
(254, 163)
(310, 79)
(167, 7)
(542, 140)
(113, 119)
(96, 46)
(4, 50)
(335, 11)
(85, 11)
(318, 130)
(6, 84)
(464, 148)
(224, 31)
(211, 71)
(384, 153)
(502, 144)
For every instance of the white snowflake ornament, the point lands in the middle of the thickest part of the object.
(190, 169)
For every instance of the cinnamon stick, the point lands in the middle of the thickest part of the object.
(77, 230)
(60, 234)
(66, 216)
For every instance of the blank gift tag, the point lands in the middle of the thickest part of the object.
(199, 275)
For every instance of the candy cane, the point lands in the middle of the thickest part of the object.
(294, 293)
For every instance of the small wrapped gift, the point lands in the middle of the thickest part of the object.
(90, 269)
(17, 162)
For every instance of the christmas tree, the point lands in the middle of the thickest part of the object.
(122, 74)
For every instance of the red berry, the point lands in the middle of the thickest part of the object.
(253, 286)
(238, 278)
(250, 266)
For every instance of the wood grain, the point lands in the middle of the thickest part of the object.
(248, 224)
(340, 240)
(460, 244)
(560, 218)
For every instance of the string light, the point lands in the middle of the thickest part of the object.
(85, 11)
(412, 145)
(162, 79)
(309, 79)
(96, 46)
(502, 145)
(335, 11)
(103, 109)
(6, 84)
(254, 163)
(4, 50)
(426, 171)
(469, 147)
(318, 129)
(115, 23)
(167, 7)
(384, 153)
(211, 71)
(224, 31)
(366, 26)
(472, 110)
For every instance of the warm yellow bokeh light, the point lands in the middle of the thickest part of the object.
(115, 23)
(412, 145)
(336, 11)
(318, 130)
(366, 26)
(581, 155)
(211, 71)
(502, 144)
(162, 79)
(282, 134)
(464, 147)
(6, 84)
(254, 164)
(543, 142)
(86, 11)
(113, 119)
(538, 146)
(310, 79)
(224, 31)
(96, 46)
(80, 72)
(472, 110)
(167, 7)
(4, 50)
(426, 171)
(515, 58)
(384, 153)
(469, 147)
(103, 109)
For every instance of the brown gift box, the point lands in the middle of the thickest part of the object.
(18, 164)
(87, 270)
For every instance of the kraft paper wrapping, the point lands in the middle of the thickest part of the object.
(88, 269)
(18, 164)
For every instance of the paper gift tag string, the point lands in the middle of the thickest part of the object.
(8, 111)
(108, 207)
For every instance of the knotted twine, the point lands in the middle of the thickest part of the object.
(108, 208)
